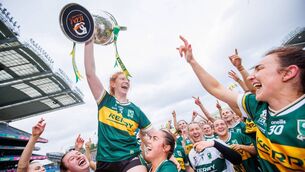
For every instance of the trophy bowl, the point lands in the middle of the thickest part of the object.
(104, 23)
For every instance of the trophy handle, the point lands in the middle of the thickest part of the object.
(122, 28)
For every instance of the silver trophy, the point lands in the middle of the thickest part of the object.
(104, 24)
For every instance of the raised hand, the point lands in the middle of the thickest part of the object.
(218, 106)
(236, 61)
(88, 144)
(234, 76)
(174, 114)
(79, 142)
(186, 50)
(38, 128)
(197, 101)
(194, 115)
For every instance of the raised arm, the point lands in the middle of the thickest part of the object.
(79, 142)
(95, 84)
(236, 61)
(175, 120)
(195, 114)
(206, 80)
(24, 160)
(235, 77)
(92, 164)
(236, 110)
(203, 109)
(218, 106)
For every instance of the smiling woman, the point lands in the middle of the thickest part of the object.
(118, 120)
(277, 108)
(158, 150)
(74, 161)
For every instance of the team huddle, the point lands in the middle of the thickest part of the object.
(262, 129)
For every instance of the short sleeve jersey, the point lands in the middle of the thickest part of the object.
(181, 157)
(280, 136)
(248, 161)
(210, 159)
(188, 144)
(167, 166)
(239, 127)
(117, 124)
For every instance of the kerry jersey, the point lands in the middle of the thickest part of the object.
(117, 123)
(280, 136)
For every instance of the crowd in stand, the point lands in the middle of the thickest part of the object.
(262, 129)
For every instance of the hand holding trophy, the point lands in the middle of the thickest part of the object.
(80, 26)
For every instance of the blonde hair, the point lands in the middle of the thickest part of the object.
(112, 80)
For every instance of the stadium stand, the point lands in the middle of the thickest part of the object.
(296, 38)
(29, 86)
(13, 142)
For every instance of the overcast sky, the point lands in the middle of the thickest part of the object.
(162, 81)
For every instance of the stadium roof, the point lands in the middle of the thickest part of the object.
(296, 37)
(28, 83)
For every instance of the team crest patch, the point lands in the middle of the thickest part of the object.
(179, 153)
(130, 113)
(301, 129)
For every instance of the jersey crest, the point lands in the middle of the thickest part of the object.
(301, 129)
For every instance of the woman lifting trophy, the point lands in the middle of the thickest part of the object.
(118, 118)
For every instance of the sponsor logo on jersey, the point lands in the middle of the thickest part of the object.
(210, 168)
(116, 120)
(281, 121)
(121, 109)
(262, 118)
(301, 129)
(282, 156)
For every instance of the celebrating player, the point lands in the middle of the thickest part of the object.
(23, 163)
(158, 151)
(118, 119)
(212, 155)
(277, 108)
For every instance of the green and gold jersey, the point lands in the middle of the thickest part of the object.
(248, 161)
(181, 157)
(117, 124)
(239, 127)
(280, 136)
(166, 166)
(250, 129)
(188, 144)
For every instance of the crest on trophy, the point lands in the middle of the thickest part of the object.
(80, 26)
